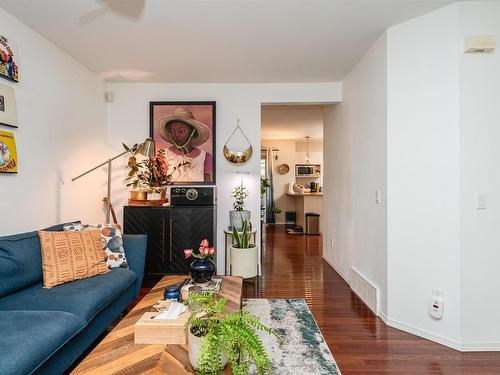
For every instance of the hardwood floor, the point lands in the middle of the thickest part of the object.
(360, 342)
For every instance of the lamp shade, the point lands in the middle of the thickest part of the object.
(147, 148)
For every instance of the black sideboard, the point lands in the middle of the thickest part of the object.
(170, 230)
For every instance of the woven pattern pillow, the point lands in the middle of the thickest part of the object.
(68, 256)
(111, 237)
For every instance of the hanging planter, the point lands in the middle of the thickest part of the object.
(234, 156)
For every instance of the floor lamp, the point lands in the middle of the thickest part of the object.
(147, 148)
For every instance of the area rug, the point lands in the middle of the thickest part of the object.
(302, 348)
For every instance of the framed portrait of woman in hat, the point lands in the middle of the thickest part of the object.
(184, 134)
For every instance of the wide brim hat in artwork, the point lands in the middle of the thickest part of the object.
(185, 116)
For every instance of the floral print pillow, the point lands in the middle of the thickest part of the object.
(111, 238)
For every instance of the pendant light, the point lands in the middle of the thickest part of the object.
(308, 155)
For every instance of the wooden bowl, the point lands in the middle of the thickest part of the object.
(283, 169)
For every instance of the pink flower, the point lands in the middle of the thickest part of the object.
(205, 243)
(201, 250)
(211, 251)
(188, 252)
(206, 251)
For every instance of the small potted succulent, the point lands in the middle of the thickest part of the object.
(202, 268)
(243, 254)
(216, 337)
(238, 215)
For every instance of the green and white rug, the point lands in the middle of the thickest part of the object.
(302, 350)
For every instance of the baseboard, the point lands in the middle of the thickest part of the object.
(423, 333)
(337, 269)
(384, 317)
(481, 347)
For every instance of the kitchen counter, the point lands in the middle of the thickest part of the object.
(307, 202)
(320, 194)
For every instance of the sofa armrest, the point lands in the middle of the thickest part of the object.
(135, 250)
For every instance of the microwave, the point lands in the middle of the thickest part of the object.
(307, 170)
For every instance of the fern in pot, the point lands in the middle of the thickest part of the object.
(238, 214)
(244, 255)
(217, 336)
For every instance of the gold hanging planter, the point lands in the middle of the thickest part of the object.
(238, 157)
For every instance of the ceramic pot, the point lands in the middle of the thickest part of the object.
(244, 261)
(202, 270)
(194, 346)
(236, 218)
(139, 195)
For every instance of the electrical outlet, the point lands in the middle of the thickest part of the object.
(436, 304)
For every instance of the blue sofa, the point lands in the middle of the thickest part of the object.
(43, 331)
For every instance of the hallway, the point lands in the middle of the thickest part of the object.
(360, 342)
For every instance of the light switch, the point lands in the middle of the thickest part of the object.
(378, 196)
(481, 201)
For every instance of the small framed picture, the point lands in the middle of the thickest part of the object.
(8, 111)
(184, 135)
(8, 154)
(8, 60)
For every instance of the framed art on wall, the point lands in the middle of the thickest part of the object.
(8, 111)
(8, 154)
(184, 134)
(8, 60)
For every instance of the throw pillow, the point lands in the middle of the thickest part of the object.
(111, 237)
(68, 256)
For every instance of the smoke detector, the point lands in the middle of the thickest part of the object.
(479, 44)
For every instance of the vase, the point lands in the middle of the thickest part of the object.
(244, 261)
(236, 218)
(194, 346)
(202, 270)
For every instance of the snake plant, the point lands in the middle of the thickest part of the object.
(242, 238)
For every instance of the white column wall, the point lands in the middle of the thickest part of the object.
(355, 148)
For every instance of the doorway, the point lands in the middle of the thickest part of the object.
(292, 168)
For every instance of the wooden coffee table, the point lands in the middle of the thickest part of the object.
(117, 353)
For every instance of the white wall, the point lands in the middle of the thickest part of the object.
(61, 113)
(128, 121)
(480, 161)
(355, 161)
(424, 173)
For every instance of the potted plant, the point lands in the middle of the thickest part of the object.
(202, 268)
(149, 176)
(239, 214)
(134, 178)
(243, 254)
(264, 185)
(216, 337)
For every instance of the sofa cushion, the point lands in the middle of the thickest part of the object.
(21, 260)
(84, 298)
(28, 338)
(69, 256)
(112, 240)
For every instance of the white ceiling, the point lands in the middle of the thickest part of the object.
(216, 40)
(292, 122)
